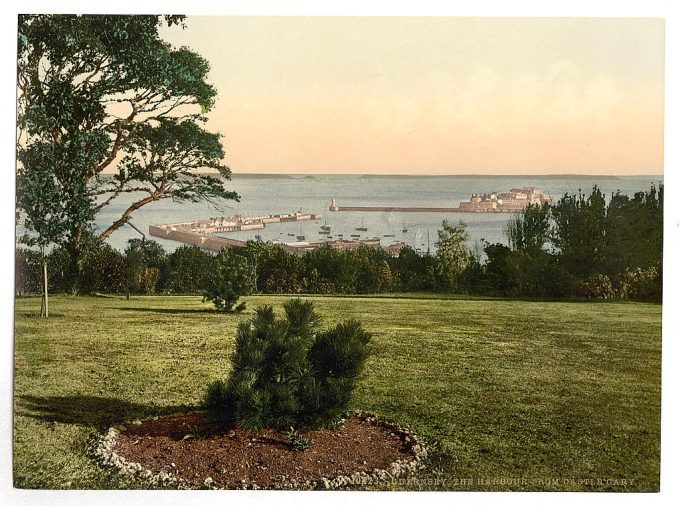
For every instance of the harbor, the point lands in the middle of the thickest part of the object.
(261, 198)
(202, 233)
(211, 234)
(237, 223)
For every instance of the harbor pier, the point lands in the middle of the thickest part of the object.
(200, 233)
(514, 201)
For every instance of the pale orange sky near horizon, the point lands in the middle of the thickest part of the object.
(418, 95)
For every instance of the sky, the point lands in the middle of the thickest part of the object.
(435, 95)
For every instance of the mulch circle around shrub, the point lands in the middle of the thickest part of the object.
(189, 451)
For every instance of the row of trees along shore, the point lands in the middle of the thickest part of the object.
(585, 246)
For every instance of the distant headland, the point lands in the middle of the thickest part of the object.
(508, 176)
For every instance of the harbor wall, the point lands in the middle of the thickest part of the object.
(426, 209)
(208, 242)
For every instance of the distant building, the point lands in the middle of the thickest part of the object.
(516, 200)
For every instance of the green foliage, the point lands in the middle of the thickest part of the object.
(314, 283)
(62, 276)
(144, 261)
(328, 268)
(538, 274)
(187, 270)
(103, 270)
(337, 358)
(27, 272)
(579, 232)
(233, 275)
(51, 199)
(71, 69)
(298, 441)
(498, 273)
(215, 396)
(640, 284)
(286, 372)
(529, 230)
(596, 286)
(374, 273)
(278, 271)
(414, 272)
(634, 231)
(452, 255)
(472, 280)
(525, 273)
(360, 270)
(168, 155)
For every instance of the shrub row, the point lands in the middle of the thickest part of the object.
(269, 268)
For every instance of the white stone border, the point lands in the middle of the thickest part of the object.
(103, 452)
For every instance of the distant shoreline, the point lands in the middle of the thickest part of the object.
(518, 176)
(255, 175)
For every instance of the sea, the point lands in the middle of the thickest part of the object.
(264, 194)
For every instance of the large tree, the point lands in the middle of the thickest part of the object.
(578, 233)
(529, 230)
(106, 108)
(634, 231)
(452, 256)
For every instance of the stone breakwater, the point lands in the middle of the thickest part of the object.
(390, 209)
(199, 232)
(514, 201)
(187, 236)
(103, 451)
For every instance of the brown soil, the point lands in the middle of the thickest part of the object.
(234, 457)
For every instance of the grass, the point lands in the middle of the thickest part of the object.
(513, 395)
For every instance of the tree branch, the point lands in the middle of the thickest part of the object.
(100, 66)
(125, 217)
(119, 191)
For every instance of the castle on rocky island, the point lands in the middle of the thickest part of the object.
(514, 201)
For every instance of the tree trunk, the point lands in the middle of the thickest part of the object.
(73, 249)
(45, 304)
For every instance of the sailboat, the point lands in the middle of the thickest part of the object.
(325, 228)
(362, 228)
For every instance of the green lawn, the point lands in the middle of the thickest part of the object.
(546, 395)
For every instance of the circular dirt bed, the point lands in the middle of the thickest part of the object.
(188, 451)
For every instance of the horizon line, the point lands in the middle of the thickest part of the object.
(557, 174)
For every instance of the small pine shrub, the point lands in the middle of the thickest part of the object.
(286, 372)
(298, 441)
